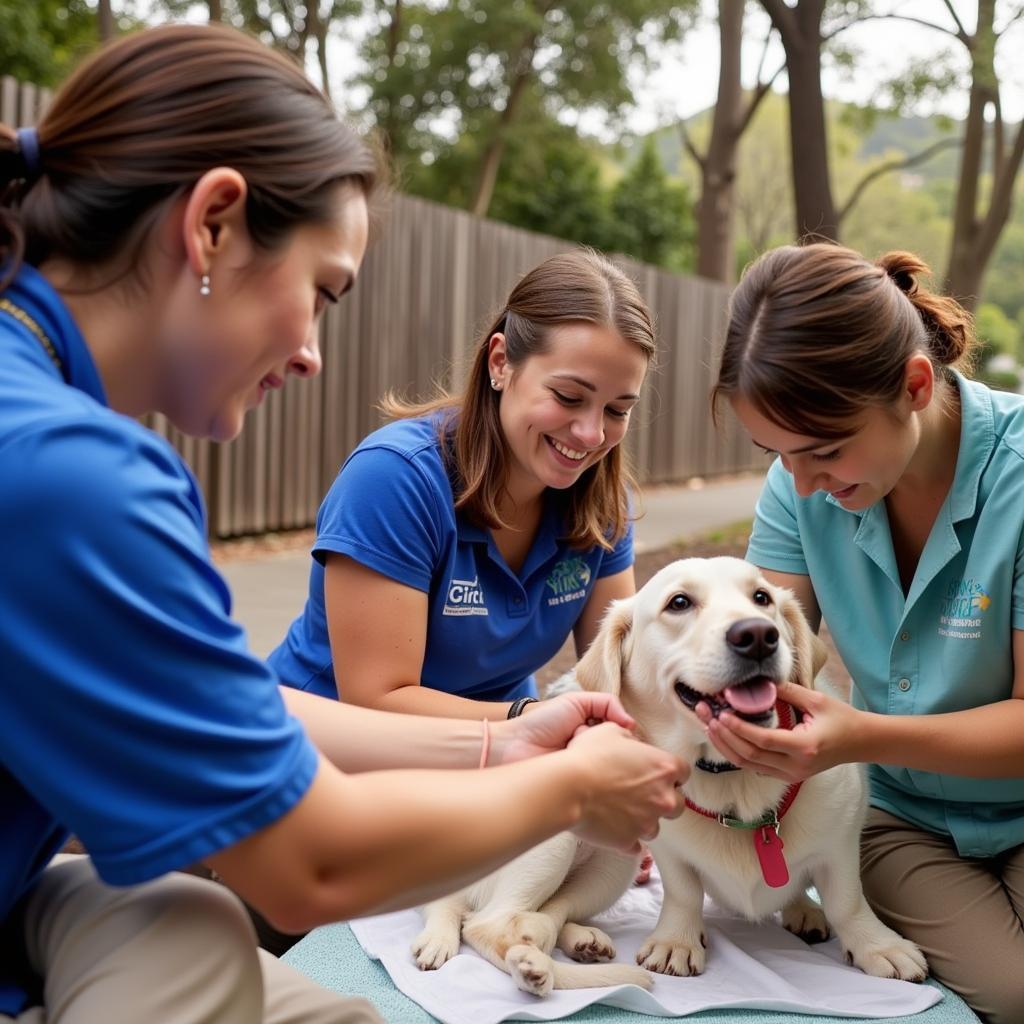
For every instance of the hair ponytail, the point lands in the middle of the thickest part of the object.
(950, 327)
(817, 333)
(12, 185)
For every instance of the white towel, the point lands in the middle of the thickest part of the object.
(749, 966)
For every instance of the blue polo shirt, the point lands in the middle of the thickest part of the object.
(392, 509)
(131, 713)
(946, 645)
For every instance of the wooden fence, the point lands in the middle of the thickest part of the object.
(426, 289)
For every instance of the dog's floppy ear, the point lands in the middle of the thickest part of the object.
(809, 651)
(600, 669)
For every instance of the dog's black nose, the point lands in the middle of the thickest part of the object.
(753, 638)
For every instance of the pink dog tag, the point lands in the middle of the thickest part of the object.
(768, 845)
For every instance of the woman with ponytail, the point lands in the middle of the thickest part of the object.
(895, 511)
(169, 235)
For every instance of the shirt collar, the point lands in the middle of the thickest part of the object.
(977, 439)
(31, 291)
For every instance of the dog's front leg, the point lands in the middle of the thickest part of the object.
(678, 944)
(590, 888)
(870, 945)
(442, 930)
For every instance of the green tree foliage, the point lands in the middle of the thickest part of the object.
(41, 40)
(438, 73)
(551, 182)
(652, 217)
(998, 334)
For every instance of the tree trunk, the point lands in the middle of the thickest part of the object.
(215, 9)
(976, 232)
(388, 122)
(716, 210)
(808, 145)
(800, 30)
(491, 162)
(107, 27)
(318, 27)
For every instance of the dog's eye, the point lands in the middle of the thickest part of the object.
(679, 603)
(763, 598)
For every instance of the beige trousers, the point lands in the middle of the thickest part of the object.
(965, 913)
(180, 950)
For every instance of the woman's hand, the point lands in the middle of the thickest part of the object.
(550, 725)
(827, 736)
(628, 787)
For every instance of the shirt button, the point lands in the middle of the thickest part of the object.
(904, 684)
(904, 636)
(517, 601)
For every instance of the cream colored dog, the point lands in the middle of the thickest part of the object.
(710, 630)
(714, 630)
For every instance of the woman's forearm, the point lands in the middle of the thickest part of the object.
(381, 841)
(422, 700)
(357, 739)
(985, 742)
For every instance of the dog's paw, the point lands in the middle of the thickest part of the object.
(806, 919)
(888, 955)
(531, 970)
(432, 949)
(531, 928)
(678, 958)
(586, 944)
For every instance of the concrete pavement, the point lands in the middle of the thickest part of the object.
(269, 591)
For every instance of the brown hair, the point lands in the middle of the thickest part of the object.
(144, 118)
(575, 287)
(818, 332)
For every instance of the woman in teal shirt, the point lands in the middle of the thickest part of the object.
(895, 512)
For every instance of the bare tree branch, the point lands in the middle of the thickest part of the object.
(964, 34)
(963, 37)
(894, 165)
(698, 158)
(758, 94)
(998, 135)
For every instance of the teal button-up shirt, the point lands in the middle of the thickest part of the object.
(947, 644)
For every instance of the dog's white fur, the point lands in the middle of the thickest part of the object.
(516, 916)
(645, 646)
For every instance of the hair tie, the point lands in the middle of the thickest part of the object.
(28, 147)
(903, 280)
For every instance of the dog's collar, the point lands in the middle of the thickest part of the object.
(765, 833)
(787, 719)
(767, 841)
(715, 767)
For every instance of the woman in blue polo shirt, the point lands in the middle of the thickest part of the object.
(895, 511)
(169, 235)
(462, 543)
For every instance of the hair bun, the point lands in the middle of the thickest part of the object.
(949, 326)
(903, 268)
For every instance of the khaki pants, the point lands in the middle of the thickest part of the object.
(964, 913)
(180, 950)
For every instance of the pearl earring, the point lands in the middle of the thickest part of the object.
(495, 384)
(204, 285)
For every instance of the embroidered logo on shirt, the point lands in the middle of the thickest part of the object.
(465, 597)
(964, 604)
(568, 581)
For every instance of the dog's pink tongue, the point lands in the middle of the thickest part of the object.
(752, 698)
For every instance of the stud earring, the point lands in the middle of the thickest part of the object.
(495, 384)
(204, 285)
